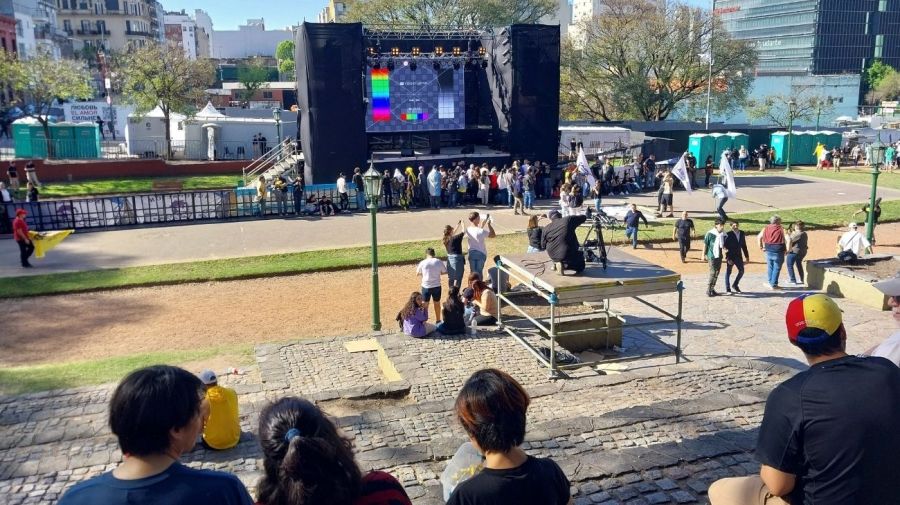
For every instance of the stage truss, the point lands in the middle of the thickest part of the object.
(594, 285)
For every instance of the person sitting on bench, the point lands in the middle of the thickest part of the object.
(561, 243)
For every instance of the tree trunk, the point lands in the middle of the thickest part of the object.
(168, 134)
(51, 152)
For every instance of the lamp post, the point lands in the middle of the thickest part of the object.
(877, 159)
(791, 109)
(372, 183)
(276, 113)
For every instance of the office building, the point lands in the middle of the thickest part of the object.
(183, 31)
(111, 24)
(249, 40)
(815, 46)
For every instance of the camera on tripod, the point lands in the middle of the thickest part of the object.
(594, 246)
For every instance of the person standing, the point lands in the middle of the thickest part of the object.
(5, 198)
(714, 251)
(683, 231)
(632, 219)
(796, 252)
(222, 429)
(430, 270)
(456, 262)
(535, 233)
(762, 156)
(280, 189)
(343, 197)
(434, 188)
(735, 244)
(476, 234)
(691, 162)
(708, 170)
(772, 241)
(649, 181)
(743, 157)
(528, 190)
(360, 187)
(22, 238)
(31, 174)
(298, 194)
(387, 189)
(836, 158)
(829, 433)
(31, 193)
(597, 194)
(666, 198)
(13, 175)
(262, 191)
(721, 195)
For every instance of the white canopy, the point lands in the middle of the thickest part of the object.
(209, 112)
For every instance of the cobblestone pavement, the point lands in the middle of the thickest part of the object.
(658, 433)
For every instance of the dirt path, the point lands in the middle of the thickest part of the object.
(190, 316)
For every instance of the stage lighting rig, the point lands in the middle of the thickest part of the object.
(438, 50)
(395, 51)
(482, 51)
(416, 51)
(457, 51)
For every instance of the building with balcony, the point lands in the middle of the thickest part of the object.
(110, 24)
(183, 31)
(819, 46)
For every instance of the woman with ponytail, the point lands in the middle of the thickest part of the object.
(307, 462)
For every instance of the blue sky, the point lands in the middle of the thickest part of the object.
(228, 14)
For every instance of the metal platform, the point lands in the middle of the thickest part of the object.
(626, 276)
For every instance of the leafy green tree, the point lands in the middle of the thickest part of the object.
(888, 89)
(646, 60)
(253, 76)
(287, 68)
(450, 13)
(41, 81)
(285, 50)
(877, 72)
(162, 76)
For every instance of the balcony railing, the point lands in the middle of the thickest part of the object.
(92, 31)
(138, 33)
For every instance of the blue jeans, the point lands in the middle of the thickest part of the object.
(476, 262)
(632, 232)
(360, 200)
(774, 261)
(548, 187)
(795, 259)
(597, 204)
(737, 264)
(532, 249)
(502, 196)
(720, 204)
(529, 199)
(456, 264)
(436, 201)
(452, 198)
(742, 163)
(510, 198)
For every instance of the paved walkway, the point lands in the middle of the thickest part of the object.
(659, 433)
(174, 244)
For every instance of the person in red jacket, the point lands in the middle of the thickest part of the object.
(772, 241)
(20, 234)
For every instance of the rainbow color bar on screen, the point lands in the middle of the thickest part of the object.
(381, 95)
(414, 116)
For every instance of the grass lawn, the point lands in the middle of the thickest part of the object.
(857, 175)
(133, 185)
(356, 257)
(24, 379)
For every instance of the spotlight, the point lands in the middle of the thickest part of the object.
(482, 51)
(416, 51)
(457, 51)
(436, 65)
(371, 51)
(438, 50)
(395, 51)
(390, 65)
(413, 66)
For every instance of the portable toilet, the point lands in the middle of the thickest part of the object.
(738, 140)
(22, 136)
(701, 145)
(778, 143)
(62, 137)
(86, 138)
(831, 139)
(804, 153)
(721, 142)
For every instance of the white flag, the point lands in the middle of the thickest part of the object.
(726, 172)
(584, 168)
(680, 171)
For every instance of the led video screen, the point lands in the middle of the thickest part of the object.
(407, 100)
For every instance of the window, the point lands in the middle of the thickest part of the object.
(882, 5)
(267, 94)
(879, 46)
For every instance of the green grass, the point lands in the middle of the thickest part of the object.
(858, 175)
(133, 185)
(24, 379)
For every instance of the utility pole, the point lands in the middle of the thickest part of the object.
(712, 29)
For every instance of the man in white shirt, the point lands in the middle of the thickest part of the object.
(853, 242)
(477, 234)
(343, 197)
(430, 270)
(890, 348)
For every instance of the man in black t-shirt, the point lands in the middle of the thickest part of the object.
(829, 434)
(684, 229)
(561, 242)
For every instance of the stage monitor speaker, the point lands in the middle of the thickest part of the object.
(468, 149)
(407, 152)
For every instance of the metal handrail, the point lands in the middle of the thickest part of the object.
(263, 163)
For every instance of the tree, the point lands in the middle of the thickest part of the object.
(162, 76)
(450, 13)
(877, 72)
(287, 67)
(253, 76)
(776, 109)
(888, 89)
(40, 81)
(647, 59)
(284, 53)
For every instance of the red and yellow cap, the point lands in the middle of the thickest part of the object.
(815, 313)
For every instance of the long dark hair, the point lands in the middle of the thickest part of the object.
(479, 287)
(454, 303)
(306, 460)
(448, 233)
(411, 306)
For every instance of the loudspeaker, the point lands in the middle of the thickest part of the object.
(407, 152)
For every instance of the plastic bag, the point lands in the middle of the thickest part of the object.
(462, 466)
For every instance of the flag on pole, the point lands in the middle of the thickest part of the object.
(726, 172)
(680, 171)
(584, 168)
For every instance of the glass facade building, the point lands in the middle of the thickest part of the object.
(815, 37)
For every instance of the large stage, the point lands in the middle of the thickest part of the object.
(626, 276)
(448, 155)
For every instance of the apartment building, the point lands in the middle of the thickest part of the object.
(110, 24)
(186, 32)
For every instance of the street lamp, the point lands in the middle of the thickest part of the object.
(276, 113)
(372, 183)
(792, 107)
(877, 158)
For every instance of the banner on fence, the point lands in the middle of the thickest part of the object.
(115, 117)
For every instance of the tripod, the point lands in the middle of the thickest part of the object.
(594, 246)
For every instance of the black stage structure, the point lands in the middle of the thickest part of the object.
(488, 95)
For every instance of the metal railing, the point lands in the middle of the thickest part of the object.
(194, 150)
(276, 155)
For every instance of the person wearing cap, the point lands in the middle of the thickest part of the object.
(773, 242)
(22, 238)
(890, 348)
(223, 426)
(561, 242)
(852, 244)
(829, 433)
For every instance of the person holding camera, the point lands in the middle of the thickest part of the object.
(561, 242)
(476, 234)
